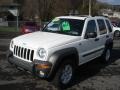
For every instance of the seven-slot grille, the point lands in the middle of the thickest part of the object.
(24, 53)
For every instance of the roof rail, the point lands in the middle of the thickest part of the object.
(100, 16)
(84, 15)
(79, 15)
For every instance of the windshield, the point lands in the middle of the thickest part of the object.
(65, 26)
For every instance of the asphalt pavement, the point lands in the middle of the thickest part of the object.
(91, 76)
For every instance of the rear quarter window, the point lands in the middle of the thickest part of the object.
(109, 26)
(102, 27)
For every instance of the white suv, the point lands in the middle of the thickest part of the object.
(64, 44)
(116, 31)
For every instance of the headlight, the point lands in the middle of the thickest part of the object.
(42, 53)
(11, 44)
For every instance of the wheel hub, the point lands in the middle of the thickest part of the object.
(107, 55)
(66, 74)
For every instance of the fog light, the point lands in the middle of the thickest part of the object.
(42, 66)
(41, 73)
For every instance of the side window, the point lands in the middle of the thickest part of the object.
(109, 26)
(91, 27)
(102, 26)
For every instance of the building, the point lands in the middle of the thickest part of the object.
(110, 13)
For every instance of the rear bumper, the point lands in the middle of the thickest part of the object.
(31, 66)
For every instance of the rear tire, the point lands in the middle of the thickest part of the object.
(106, 55)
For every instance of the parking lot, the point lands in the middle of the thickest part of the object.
(91, 76)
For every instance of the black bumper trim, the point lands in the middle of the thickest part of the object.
(29, 66)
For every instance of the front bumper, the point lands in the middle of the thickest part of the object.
(37, 67)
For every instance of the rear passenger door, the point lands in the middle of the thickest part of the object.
(109, 27)
(102, 32)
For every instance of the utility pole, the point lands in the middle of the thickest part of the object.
(89, 7)
(17, 20)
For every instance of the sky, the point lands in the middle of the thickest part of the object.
(114, 2)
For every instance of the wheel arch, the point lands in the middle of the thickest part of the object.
(59, 56)
(109, 43)
(116, 30)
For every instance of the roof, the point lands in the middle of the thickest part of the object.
(74, 17)
(82, 17)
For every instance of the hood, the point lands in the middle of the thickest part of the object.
(44, 39)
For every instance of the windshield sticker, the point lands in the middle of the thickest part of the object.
(65, 26)
(55, 19)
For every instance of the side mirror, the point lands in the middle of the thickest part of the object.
(45, 23)
(91, 35)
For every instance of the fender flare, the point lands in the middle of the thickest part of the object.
(57, 57)
(109, 43)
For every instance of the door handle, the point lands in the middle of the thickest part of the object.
(96, 39)
(80, 43)
(107, 36)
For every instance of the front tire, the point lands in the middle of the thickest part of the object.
(64, 75)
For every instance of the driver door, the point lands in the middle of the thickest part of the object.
(89, 46)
